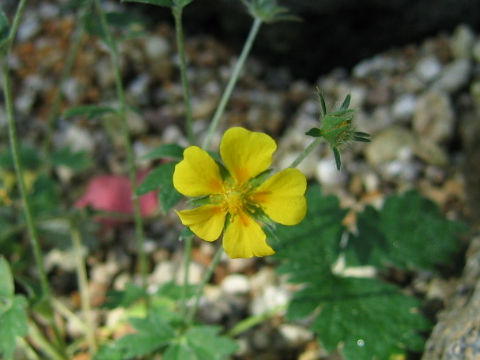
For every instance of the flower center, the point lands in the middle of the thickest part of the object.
(234, 200)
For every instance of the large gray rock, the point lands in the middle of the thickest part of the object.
(456, 336)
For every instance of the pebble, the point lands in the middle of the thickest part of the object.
(78, 139)
(388, 145)
(462, 42)
(454, 76)
(403, 107)
(294, 335)
(236, 284)
(428, 68)
(434, 117)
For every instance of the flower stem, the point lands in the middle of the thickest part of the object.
(305, 152)
(233, 80)
(177, 14)
(67, 69)
(205, 279)
(252, 321)
(83, 286)
(15, 149)
(186, 265)
(112, 45)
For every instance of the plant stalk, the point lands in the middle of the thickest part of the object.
(112, 45)
(252, 321)
(306, 152)
(231, 83)
(177, 14)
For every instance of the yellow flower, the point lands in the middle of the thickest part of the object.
(236, 201)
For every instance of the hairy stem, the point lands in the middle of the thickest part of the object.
(231, 83)
(306, 152)
(177, 14)
(122, 112)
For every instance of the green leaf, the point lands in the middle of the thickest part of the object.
(153, 334)
(370, 318)
(4, 28)
(109, 352)
(161, 179)
(409, 232)
(323, 106)
(201, 343)
(164, 3)
(76, 161)
(13, 323)
(124, 298)
(166, 151)
(89, 111)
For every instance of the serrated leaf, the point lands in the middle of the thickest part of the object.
(13, 323)
(166, 151)
(201, 343)
(4, 28)
(124, 298)
(161, 179)
(89, 111)
(153, 334)
(164, 3)
(409, 232)
(76, 161)
(369, 318)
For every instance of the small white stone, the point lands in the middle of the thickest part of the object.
(428, 68)
(404, 107)
(78, 139)
(236, 284)
(295, 335)
(327, 173)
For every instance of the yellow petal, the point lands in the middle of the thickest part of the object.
(282, 197)
(206, 221)
(246, 153)
(245, 238)
(197, 174)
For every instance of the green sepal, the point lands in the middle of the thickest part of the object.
(315, 132)
(338, 161)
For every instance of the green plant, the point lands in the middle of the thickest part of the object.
(365, 316)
